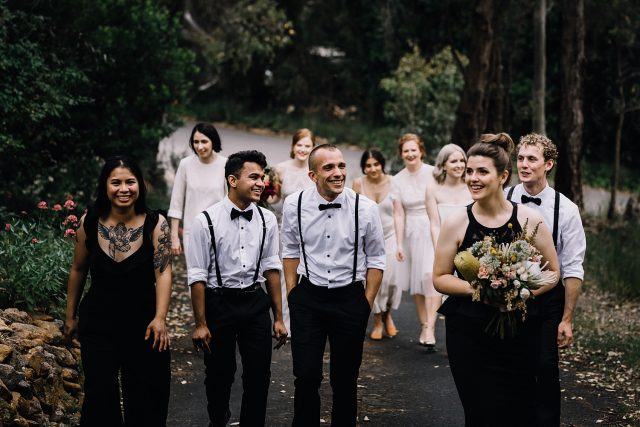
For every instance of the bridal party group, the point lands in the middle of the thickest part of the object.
(290, 253)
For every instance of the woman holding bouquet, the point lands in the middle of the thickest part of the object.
(494, 375)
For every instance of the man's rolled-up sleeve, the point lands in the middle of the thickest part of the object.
(198, 255)
(374, 241)
(290, 239)
(270, 257)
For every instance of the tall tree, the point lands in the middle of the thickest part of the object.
(539, 66)
(470, 114)
(569, 173)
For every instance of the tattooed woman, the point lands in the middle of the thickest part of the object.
(121, 320)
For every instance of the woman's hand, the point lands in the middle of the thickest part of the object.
(158, 328)
(176, 247)
(400, 254)
(70, 329)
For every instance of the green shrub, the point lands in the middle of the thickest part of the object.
(36, 250)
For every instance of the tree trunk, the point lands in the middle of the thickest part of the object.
(494, 113)
(539, 66)
(568, 176)
(470, 112)
(615, 173)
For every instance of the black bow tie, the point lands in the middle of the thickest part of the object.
(527, 199)
(235, 213)
(326, 206)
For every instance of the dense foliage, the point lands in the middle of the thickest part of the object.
(81, 81)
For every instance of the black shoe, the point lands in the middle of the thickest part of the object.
(227, 417)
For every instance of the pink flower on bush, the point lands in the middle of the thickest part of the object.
(71, 219)
(69, 204)
(42, 205)
(7, 227)
(69, 232)
(57, 207)
(34, 240)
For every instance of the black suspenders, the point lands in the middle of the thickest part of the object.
(556, 214)
(355, 249)
(215, 252)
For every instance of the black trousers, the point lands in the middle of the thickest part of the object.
(551, 306)
(243, 320)
(341, 315)
(145, 378)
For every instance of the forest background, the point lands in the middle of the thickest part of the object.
(82, 80)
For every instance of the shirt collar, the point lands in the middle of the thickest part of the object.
(228, 205)
(546, 192)
(317, 198)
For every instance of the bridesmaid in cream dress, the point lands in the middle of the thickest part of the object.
(199, 183)
(415, 249)
(451, 194)
(376, 185)
(293, 176)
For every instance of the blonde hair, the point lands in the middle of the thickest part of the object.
(412, 137)
(439, 172)
(301, 134)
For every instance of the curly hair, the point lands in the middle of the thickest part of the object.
(549, 149)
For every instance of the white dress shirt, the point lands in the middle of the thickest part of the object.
(572, 242)
(237, 244)
(329, 237)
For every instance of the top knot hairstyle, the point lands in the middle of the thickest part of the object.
(497, 147)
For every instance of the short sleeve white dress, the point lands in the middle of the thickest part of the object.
(416, 272)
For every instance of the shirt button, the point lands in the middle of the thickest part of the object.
(243, 265)
(328, 271)
(241, 228)
(328, 255)
(328, 237)
(241, 247)
(329, 216)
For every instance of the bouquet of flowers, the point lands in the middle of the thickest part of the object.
(503, 275)
(271, 186)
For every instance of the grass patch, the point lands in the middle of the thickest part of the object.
(610, 263)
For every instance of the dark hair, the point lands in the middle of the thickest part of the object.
(312, 155)
(497, 147)
(372, 153)
(301, 134)
(236, 162)
(102, 203)
(208, 130)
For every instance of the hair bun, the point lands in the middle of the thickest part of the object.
(502, 140)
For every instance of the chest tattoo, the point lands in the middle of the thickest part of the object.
(119, 237)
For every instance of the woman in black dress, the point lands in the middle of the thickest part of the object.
(495, 377)
(121, 320)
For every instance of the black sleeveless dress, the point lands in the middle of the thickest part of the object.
(495, 377)
(113, 318)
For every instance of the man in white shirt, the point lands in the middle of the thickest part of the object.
(332, 244)
(536, 158)
(233, 250)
